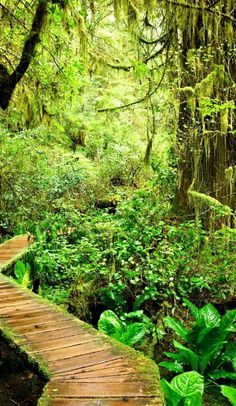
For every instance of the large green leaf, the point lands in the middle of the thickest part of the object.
(223, 375)
(228, 321)
(133, 333)
(109, 323)
(194, 310)
(202, 334)
(172, 397)
(229, 393)
(175, 356)
(176, 326)
(210, 348)
(188, 384)
(188, 355)
(230, 356)
(22, 273)
(194, 400)
(172, 366)
(19, 271)
(210, 316)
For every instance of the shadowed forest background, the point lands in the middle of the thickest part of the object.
(118, 154)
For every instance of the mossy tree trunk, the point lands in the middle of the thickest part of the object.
(206, 130)
(8, 81)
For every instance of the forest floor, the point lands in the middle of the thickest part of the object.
(19, 384)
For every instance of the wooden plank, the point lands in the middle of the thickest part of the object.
(77, 339)
(10, 298)
(15, 305)
(105, 368)
(86, 369)
(74, 351)
(38, 328)
(103, 373)
(95, 390)
(82, 361)
(17, 301)
(128, 377)
(62, 332)
(106, 402)
(38, 320)
(32, 311)
(11, 312)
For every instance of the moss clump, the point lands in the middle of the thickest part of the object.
(209, 201)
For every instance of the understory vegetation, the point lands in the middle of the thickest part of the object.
(118, 157)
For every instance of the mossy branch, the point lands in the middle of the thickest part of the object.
(9, 81)
(209, 201)
(202, 9)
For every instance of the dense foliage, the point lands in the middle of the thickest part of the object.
(117, 153)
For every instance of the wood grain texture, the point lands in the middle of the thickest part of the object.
(86, 367)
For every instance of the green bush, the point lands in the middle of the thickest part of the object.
(210, 349)
(135, 259)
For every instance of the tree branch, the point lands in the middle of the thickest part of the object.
(156, 40)
(202, 9)
(120, 67)
(124, 106)
(9, 81)
(158, 52)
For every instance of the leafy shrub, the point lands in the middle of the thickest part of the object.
(22, 273)
(125, 329)
(185, 389)
(209, 349)
(134, 259)
(35, 175)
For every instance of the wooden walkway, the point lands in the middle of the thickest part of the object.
(84, 367)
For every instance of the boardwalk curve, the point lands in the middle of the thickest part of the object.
(83, 366)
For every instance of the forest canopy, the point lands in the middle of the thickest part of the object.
(118, 155)
(190, 42)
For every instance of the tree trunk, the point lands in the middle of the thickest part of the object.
(8, 81)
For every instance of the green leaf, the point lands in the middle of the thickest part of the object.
(187, 355)
(230, 356)
(19, 271)
(229, 393)
(133, 333)
(223, 375)
(109, 323)
(175, 356)
(210, 316)
(136, 314)
(228, 321)
(140, 300)
(202, 334)
(26, 278)
(210, 348)
(194, 310)
(188, 384)
(194, 400)
(172, 397)
(176, 326)
(172, 366)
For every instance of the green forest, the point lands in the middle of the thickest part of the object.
(118, 158)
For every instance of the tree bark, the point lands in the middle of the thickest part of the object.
(8, 81)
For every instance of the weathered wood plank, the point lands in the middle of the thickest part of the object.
(86, 367)
(106, 402)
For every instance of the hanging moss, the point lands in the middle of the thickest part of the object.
(121, 7)
(82, 33)
(224, 120)
(211, 202)
(206, 86)
(150, 4)
(132, 15)
(230, 174)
